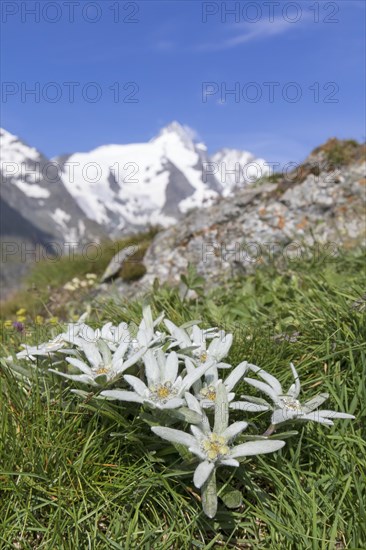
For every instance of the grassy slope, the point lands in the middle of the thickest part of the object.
(43, 292)
(65, 483)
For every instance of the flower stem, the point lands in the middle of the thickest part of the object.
(270, 430)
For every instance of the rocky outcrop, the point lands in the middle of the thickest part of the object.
(320, 204)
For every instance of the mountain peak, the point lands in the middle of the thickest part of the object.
(176, 130)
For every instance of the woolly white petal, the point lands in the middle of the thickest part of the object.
(173, 403)
(192, 377)
(198, 434)
(202, 473)
(192, 403)
(122, 395)
(235, 429)
(229, 462)
(282, 415)
(151, 368)
(171, 367)
(265, 388)
(133, 359)
(79, 365)
(234, 377)
(137, 385)
(84, 378)
(295, 388)
(315, 402)
(269, 378)
(246, 406)
(257, 448)
(175, 436)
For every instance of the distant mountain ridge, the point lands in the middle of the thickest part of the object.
(113, 189)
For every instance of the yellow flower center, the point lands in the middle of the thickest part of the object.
(162, 392)
(215, 446)
(291, 403)
(103, 370)
(203, 356)
(209, 393)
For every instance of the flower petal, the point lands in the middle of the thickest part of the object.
(313, 418)
(152, 371)
(193, 376)
(221, 409)
(192, 403)
(197, 432)
(294, 388)
(133, 359)
(202, 473)
(83, 378)
(234, 377)
(265, 388)
(269, 378)
(79, 365)
(122, 395)
(235, 429)
(175, 436)
(257, 448)
(220, 346)
(246, 406)
(139, 387)
(91, 352)
(229, 462)
(315, 402)
(173, 403)
(170, 372)
(330, 414)
(283, 415)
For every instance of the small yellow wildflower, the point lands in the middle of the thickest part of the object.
(53, 320)
(21, 311)
(39, 320)
(21, 318)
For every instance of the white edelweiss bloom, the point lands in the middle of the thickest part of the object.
(195, 341)
(101, 365)
(115, 335)
(214, 447)
(56, 344)
(164, 388)
(286, 406)
(147, 336)
(206, 393)
(45, 349)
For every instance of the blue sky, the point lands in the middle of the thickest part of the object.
(180, 57)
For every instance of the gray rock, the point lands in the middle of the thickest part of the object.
(117, 262)
(257, 224)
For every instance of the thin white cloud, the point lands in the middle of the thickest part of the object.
(248, 32)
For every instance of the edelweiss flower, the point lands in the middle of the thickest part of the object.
(286, 406)
(110, 334)
(164, 388)
(214, 448)
(54, 345)
(146, 335)
(45, 349)
(207, 393)
(103, 365)
(195, 339)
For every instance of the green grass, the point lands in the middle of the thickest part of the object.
(65, 483)
(43, 293)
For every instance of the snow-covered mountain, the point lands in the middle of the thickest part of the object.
(120, 186)
(234, 169)
(114, 188)
(35, 204)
